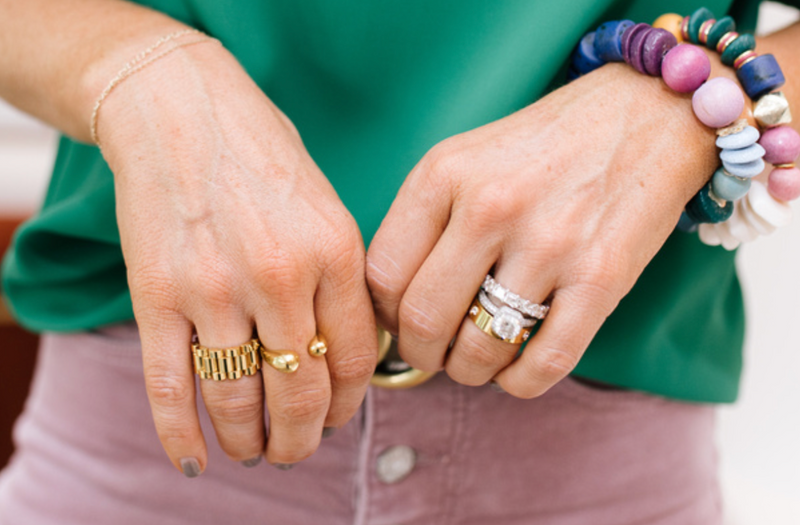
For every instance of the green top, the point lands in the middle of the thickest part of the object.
(372, 86)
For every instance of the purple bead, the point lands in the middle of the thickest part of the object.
(656, 45)
(782, 145)
(625, 41)
(636, 50)
(718, 102)
(685, 67)
(784, 183)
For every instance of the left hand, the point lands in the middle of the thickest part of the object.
(568, 199)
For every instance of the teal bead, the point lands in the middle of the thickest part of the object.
(718, 30)
(697, 19)
(737, 47)
(729, 188)
(704, 209)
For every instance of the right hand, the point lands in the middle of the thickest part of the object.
(227, 225)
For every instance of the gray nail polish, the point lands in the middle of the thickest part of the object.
(190, 467)
(250, 463)
(497, 388)
(328, 432)
(283, 466)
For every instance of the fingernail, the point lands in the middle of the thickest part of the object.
(250, 463)
(283, 466)
(497, 388)
(328, 432)
(190, 467)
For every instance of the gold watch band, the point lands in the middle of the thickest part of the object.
(226, 363)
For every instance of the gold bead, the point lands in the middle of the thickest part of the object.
(318, 346)
(772, 110)
(672, 23)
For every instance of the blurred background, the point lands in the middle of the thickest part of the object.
(759, 437)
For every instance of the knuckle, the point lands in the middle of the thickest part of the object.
(169, 393)
(353, 370)
(384, 279)
(305, 405)
(212, 286)
(235, 410)
(425, 324)
(481, 357)
(280, 275)
(552, 364)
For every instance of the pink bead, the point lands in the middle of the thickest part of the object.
(685, 68)
(784, 183)
(718, 102)
(782, 145)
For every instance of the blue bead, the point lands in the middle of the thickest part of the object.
(729, 188)
(742, 155)
(584, 59)
(747, 170)
(686, 224)
(747, 137)
(608, 42)
(702, 208)
(760, 76)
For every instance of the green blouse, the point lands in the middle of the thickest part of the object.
(372, 86)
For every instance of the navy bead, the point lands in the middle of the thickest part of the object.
(697, 19)
(685, 224)
(607, 42)
(760, 76)
(741, 44)
(718, 30)
(584, 59)
(702, 208)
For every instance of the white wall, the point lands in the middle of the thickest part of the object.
(759, 437)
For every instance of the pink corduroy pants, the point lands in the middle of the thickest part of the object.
(438, 454)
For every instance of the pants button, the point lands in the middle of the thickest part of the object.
(395, 463)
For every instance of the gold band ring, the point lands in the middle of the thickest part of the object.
(285, 361)
(220, 364)
(484, 320)
(318, 346)
(398, 380)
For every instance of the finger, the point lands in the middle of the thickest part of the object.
(169, 379)
(418, 216)
(576, 314)
(297, 402)
(235, 406)
(476, 357)
(345, 318)
(434, 305)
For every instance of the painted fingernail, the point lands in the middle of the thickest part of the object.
(190, 467)
(283, 466)
(250, 463)
(328, 432)
(497, 388)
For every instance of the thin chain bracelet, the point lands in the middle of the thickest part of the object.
(139, 62)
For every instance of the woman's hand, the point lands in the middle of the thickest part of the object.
(567, 199)
(227, 226)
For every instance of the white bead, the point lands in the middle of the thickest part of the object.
(739, 227)
(729, 242)
(708, 234)
(756, 222)
(771, 210)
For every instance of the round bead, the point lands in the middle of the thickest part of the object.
(607, 45)
(729, 188)
(760, 76)
(782, 145)
(747, 137)
(697, 19)
(784, 183)
(672, 23)
(702, 208)
(718, 102)
(721, 27)
(627, 38)
(747, 170)
(744, 43)
(742, 155)
(584, 59)
(635, 50)
(685, 68)
(656, 44)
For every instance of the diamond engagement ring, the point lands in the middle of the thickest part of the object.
(507, 326)
(504, 295)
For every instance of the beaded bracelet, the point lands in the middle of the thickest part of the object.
(685, 68)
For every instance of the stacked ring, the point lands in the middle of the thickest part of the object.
(504, 327)
(220, 364)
